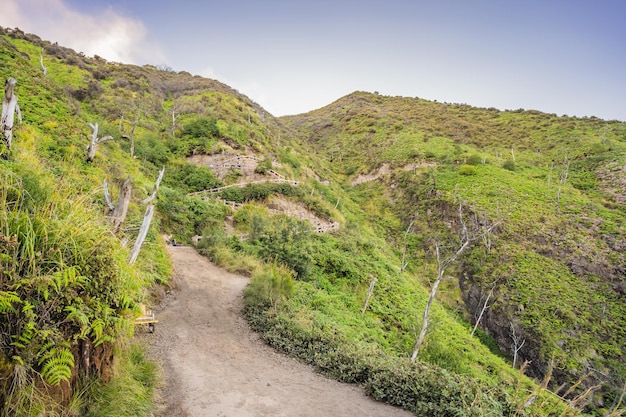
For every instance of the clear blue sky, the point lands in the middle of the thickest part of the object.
(564, 57)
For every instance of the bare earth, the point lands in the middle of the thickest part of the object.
(214, 365)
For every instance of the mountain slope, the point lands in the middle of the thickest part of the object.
(555, 267)
(388, 174)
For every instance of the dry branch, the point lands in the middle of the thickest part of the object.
(143, 232)
(9, 108)
(119, 214)
(156, 187)
(95, 141)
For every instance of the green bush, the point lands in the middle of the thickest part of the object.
(201, 128)
(424, 389)
(467, 170)
(271, 287)
(285, 240)
(263, 166)
(150, 147)
(474, 159)
(190, 178)
(258, 192)
(509, 165)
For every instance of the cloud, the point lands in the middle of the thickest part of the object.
(107, 33)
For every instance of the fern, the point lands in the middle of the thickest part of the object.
(7, 299)
(78, 316)
(57, 364)
(97, 328)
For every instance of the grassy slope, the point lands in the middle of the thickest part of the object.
(555, 265)
(73, 293)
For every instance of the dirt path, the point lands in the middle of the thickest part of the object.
(214, 365)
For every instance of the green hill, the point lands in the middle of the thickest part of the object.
(323, 210)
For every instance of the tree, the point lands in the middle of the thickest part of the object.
(518, 343)
(95, 141)
(118, 213)
(9, 108)
(442, 266)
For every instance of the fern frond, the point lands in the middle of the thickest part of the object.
(57, 365)
(7, 299)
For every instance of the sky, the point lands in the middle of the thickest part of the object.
(291, 56)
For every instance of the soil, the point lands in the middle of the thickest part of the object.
(214, 365)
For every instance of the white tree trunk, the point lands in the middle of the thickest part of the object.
(403, 263)
(466, 239)
(369, 295)
(143, 232)
(107, 197)
(156, 187)
(441, 270)
(43, 67)
(119, 214)
(482, 311)
(9, 108)
(91, 149)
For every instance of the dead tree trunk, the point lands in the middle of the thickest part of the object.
(107, 197)
(143, 232)
(482, 311)
(369, 295)
(95, 141)
(441, 270)
(9, 108)
(466, 239)
(43, 67)
(119, 213)
(518, 343)
(156, 187)
(403, 263)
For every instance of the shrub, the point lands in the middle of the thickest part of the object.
(148, 146)
(474, 159)
(201, 128)
(509, 165)
(270, 287)
(263, 166)
(467, 170)
(285, 240)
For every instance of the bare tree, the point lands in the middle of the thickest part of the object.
(43, 67)
(518, 343)
(118, 212)
(482, 311)
(442, 265)
(155, 188)
(95, 141)
(9, 108)
(143, 232)
(369, 295)
(404, 264)
(562, 180)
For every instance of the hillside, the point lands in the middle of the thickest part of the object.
(554, 268)
(323, 211)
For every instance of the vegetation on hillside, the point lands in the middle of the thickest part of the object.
(388, 173)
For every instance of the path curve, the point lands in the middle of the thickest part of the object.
(214, 365)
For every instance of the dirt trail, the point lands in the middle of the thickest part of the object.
(214, 365)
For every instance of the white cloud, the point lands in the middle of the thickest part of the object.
(107, 34)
